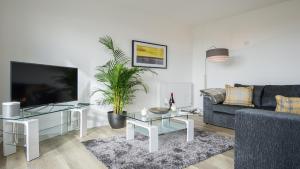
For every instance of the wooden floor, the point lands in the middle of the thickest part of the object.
(66, 152)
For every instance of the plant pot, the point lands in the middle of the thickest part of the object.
(116, 121)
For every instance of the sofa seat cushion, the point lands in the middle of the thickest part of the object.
(228, 109)
(267, 108)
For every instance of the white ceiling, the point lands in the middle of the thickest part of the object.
(192, 12)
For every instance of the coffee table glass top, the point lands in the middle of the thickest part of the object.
(154, 117)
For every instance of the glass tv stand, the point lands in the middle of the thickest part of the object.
(29, 118)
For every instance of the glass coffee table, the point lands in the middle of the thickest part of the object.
(154, 124)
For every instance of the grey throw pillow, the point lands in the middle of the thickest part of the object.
(216, 95)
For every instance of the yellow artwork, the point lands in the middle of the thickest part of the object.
(151, 52)
(145, 54)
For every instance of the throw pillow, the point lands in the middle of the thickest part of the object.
(257, 93)
(216, 95)
(240, 96)
(288, 104)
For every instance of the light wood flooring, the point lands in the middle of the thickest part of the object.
(66, 152)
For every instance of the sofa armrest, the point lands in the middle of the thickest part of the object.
(267, 140)
(207, 109)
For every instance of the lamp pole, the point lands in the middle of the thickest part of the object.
(205, 75)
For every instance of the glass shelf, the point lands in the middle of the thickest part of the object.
(43, 110)
(70, 123)
(44, 134)
(155, 117)
(163, 127)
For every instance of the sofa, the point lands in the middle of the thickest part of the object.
(266, 140)
(263, 99)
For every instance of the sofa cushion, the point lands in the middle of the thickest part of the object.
(270, 91)
(288, 104)
(216, 95)
(228, 109)
(239, 96)
(257, 93)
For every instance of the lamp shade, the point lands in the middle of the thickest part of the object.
(217, 54)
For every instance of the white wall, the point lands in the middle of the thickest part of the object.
(66, 32)
(264, 45)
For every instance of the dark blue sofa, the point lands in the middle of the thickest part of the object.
(263, 99)
(264, 139)
(267, 140)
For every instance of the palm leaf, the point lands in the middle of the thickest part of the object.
(120, 81)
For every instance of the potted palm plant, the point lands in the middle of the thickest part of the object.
(120, 82)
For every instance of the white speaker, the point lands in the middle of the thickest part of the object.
(10, 109)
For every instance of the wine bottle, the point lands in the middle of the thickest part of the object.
(171, 101)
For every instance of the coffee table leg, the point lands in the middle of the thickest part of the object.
(189, 126)
(153, 133)
(190, 130)
(129, 131)
(153, 138)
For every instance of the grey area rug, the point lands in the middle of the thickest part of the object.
(174, 152)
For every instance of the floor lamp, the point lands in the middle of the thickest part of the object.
(215, 55)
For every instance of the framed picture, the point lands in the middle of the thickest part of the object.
(145, 54)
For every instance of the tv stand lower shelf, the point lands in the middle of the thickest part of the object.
(31, 132)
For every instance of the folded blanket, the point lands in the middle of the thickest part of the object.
(216, 95)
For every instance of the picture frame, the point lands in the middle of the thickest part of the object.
(150, 55)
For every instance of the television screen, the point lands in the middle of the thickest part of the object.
(35, 84)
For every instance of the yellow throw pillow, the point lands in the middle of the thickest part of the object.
(288, 104)
(240, 96)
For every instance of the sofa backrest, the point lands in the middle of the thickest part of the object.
(270, 91)
(264, 96)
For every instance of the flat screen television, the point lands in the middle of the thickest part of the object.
(36, 84)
